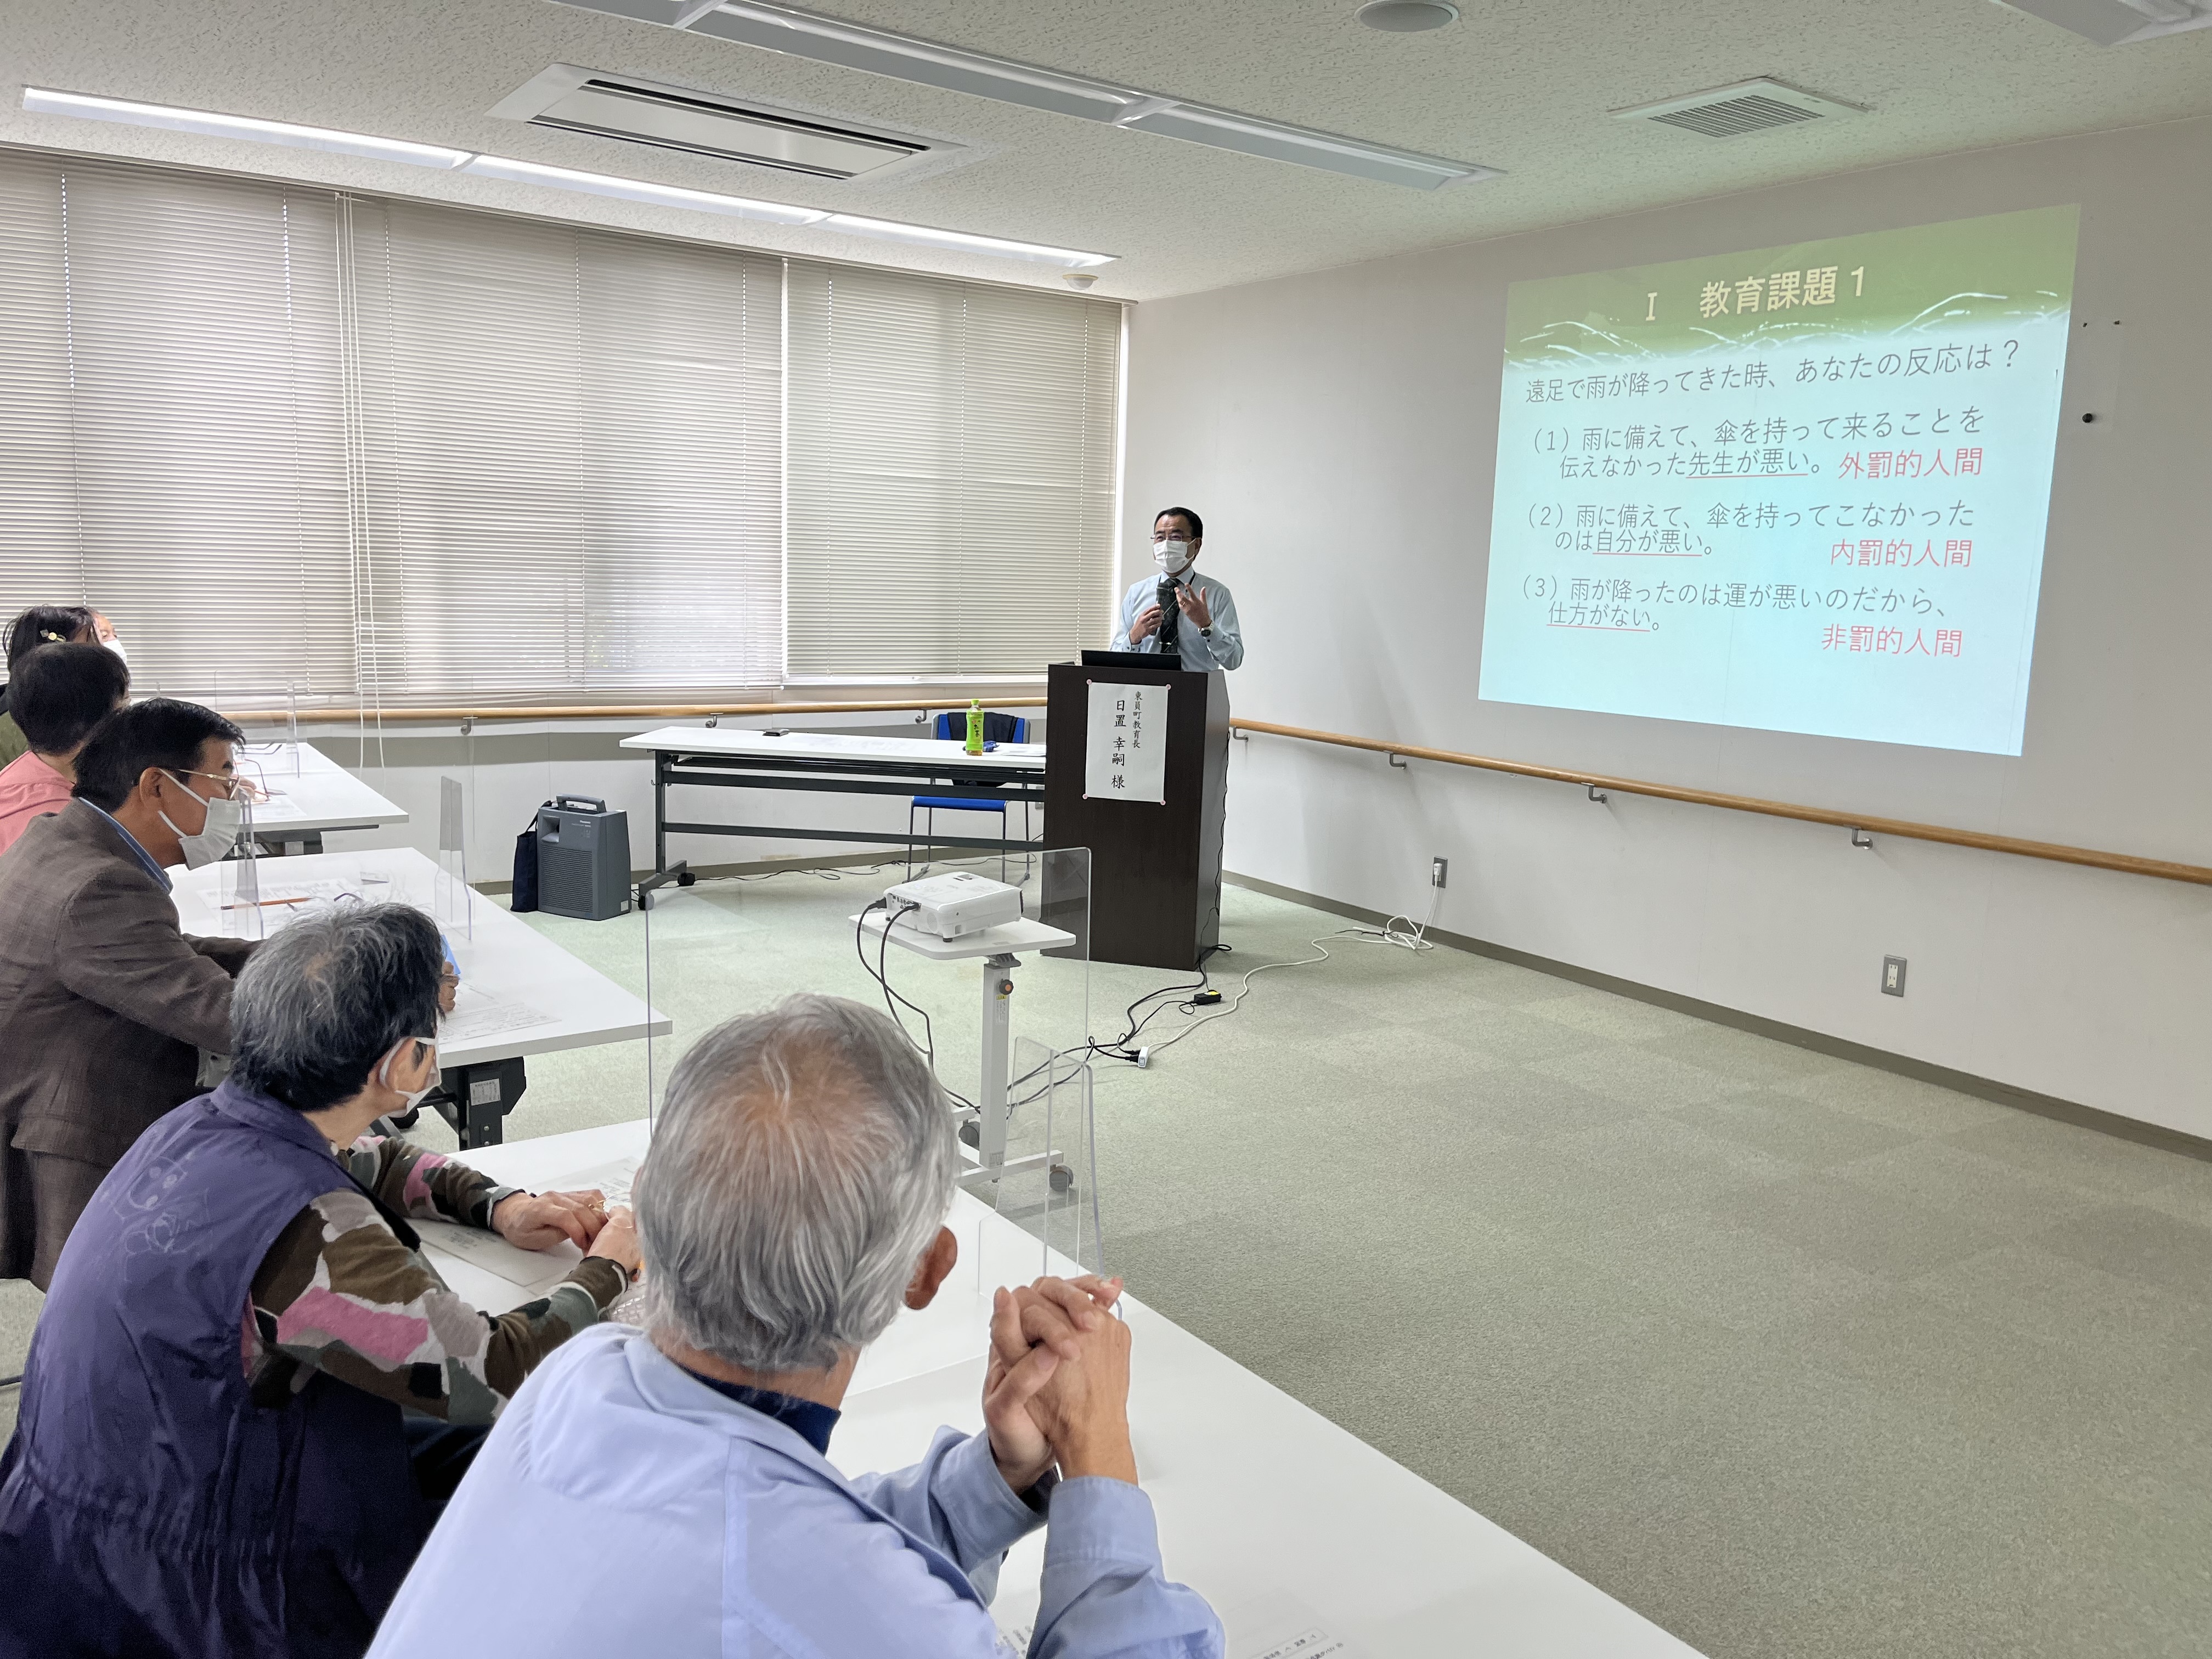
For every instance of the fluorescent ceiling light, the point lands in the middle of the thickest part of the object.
(1279, 143)
(2119, 22)
(634, 189)
(535, 172)
(880, 51)
(906, 57)
(45, 102)
(888, 230)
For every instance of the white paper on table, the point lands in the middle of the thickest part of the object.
(292, 894)
(1281, 1627)
(533, 1270)
(613, 1179)
(476, 1015)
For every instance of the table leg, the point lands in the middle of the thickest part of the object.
(475, 1099)
(991, 1096)
(659, 810)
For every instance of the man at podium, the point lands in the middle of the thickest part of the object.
(1206, 633)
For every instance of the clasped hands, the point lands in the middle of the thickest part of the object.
(539, 1221)
(1057, 1387)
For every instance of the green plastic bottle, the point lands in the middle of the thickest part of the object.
(975, 728)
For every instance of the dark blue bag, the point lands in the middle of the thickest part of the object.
(525, 894)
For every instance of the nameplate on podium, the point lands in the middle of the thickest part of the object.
(1125, 750)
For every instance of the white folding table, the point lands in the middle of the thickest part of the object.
(521, 995)
(1306, 1540)
(730, 757)
(309, 793)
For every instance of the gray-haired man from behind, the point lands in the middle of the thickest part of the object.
(668, 1490)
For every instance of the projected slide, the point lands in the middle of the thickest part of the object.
(1801, 489)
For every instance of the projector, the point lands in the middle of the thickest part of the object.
(954, 906)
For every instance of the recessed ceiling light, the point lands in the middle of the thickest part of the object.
(637, 189)
(1407, 16)
(890, 230)
(2119, 22)
(86, 108)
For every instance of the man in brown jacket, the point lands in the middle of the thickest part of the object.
(105, 1004)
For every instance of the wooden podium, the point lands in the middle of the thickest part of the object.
(1155, 866)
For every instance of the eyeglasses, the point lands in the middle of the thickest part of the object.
(230, 788)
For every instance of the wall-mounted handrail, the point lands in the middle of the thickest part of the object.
(587, 711)
(1598, 784)
(2126, 863)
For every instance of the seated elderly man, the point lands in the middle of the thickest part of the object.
(249, 1392)
(667, 1491)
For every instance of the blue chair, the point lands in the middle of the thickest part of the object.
(951, 726)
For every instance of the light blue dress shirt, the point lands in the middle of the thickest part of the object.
(622, 1506)
(1225, 650)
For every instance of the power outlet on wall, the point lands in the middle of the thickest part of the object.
(1437, 869)
(1893, 976)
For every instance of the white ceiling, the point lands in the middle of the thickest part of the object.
(1523, 85)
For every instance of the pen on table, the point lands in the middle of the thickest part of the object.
(264, 903)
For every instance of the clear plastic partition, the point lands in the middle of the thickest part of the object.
(453, 901)
(697, 956)
(998, 1004)
(240, 909)
(1040, 1170)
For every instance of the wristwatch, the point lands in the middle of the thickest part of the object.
(1206, 633)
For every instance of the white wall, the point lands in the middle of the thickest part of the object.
(1337, 431)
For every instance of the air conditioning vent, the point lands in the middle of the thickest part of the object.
(572, 99)
(1747, 106)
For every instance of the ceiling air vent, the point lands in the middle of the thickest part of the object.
(572, 99)
(1746, 106)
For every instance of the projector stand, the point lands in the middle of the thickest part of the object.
(997, 947)
(992, 1110)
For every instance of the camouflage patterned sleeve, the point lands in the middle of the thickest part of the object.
(421, 1184)
(340, 1293)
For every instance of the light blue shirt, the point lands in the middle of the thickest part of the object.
(1225, 650)
(622, 1506)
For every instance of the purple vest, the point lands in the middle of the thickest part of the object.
(149, 1502)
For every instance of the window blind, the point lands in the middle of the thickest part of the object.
(171, 441)
(952, 475)
(571, 459)
(395, 453)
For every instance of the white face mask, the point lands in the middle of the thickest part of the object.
(412, 1097)
(116, 646)
(216, 836)
(1171, 556)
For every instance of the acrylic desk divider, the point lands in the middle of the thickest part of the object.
(1041, 1171)
(238, 884)
(676, 925)
(453, 901)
